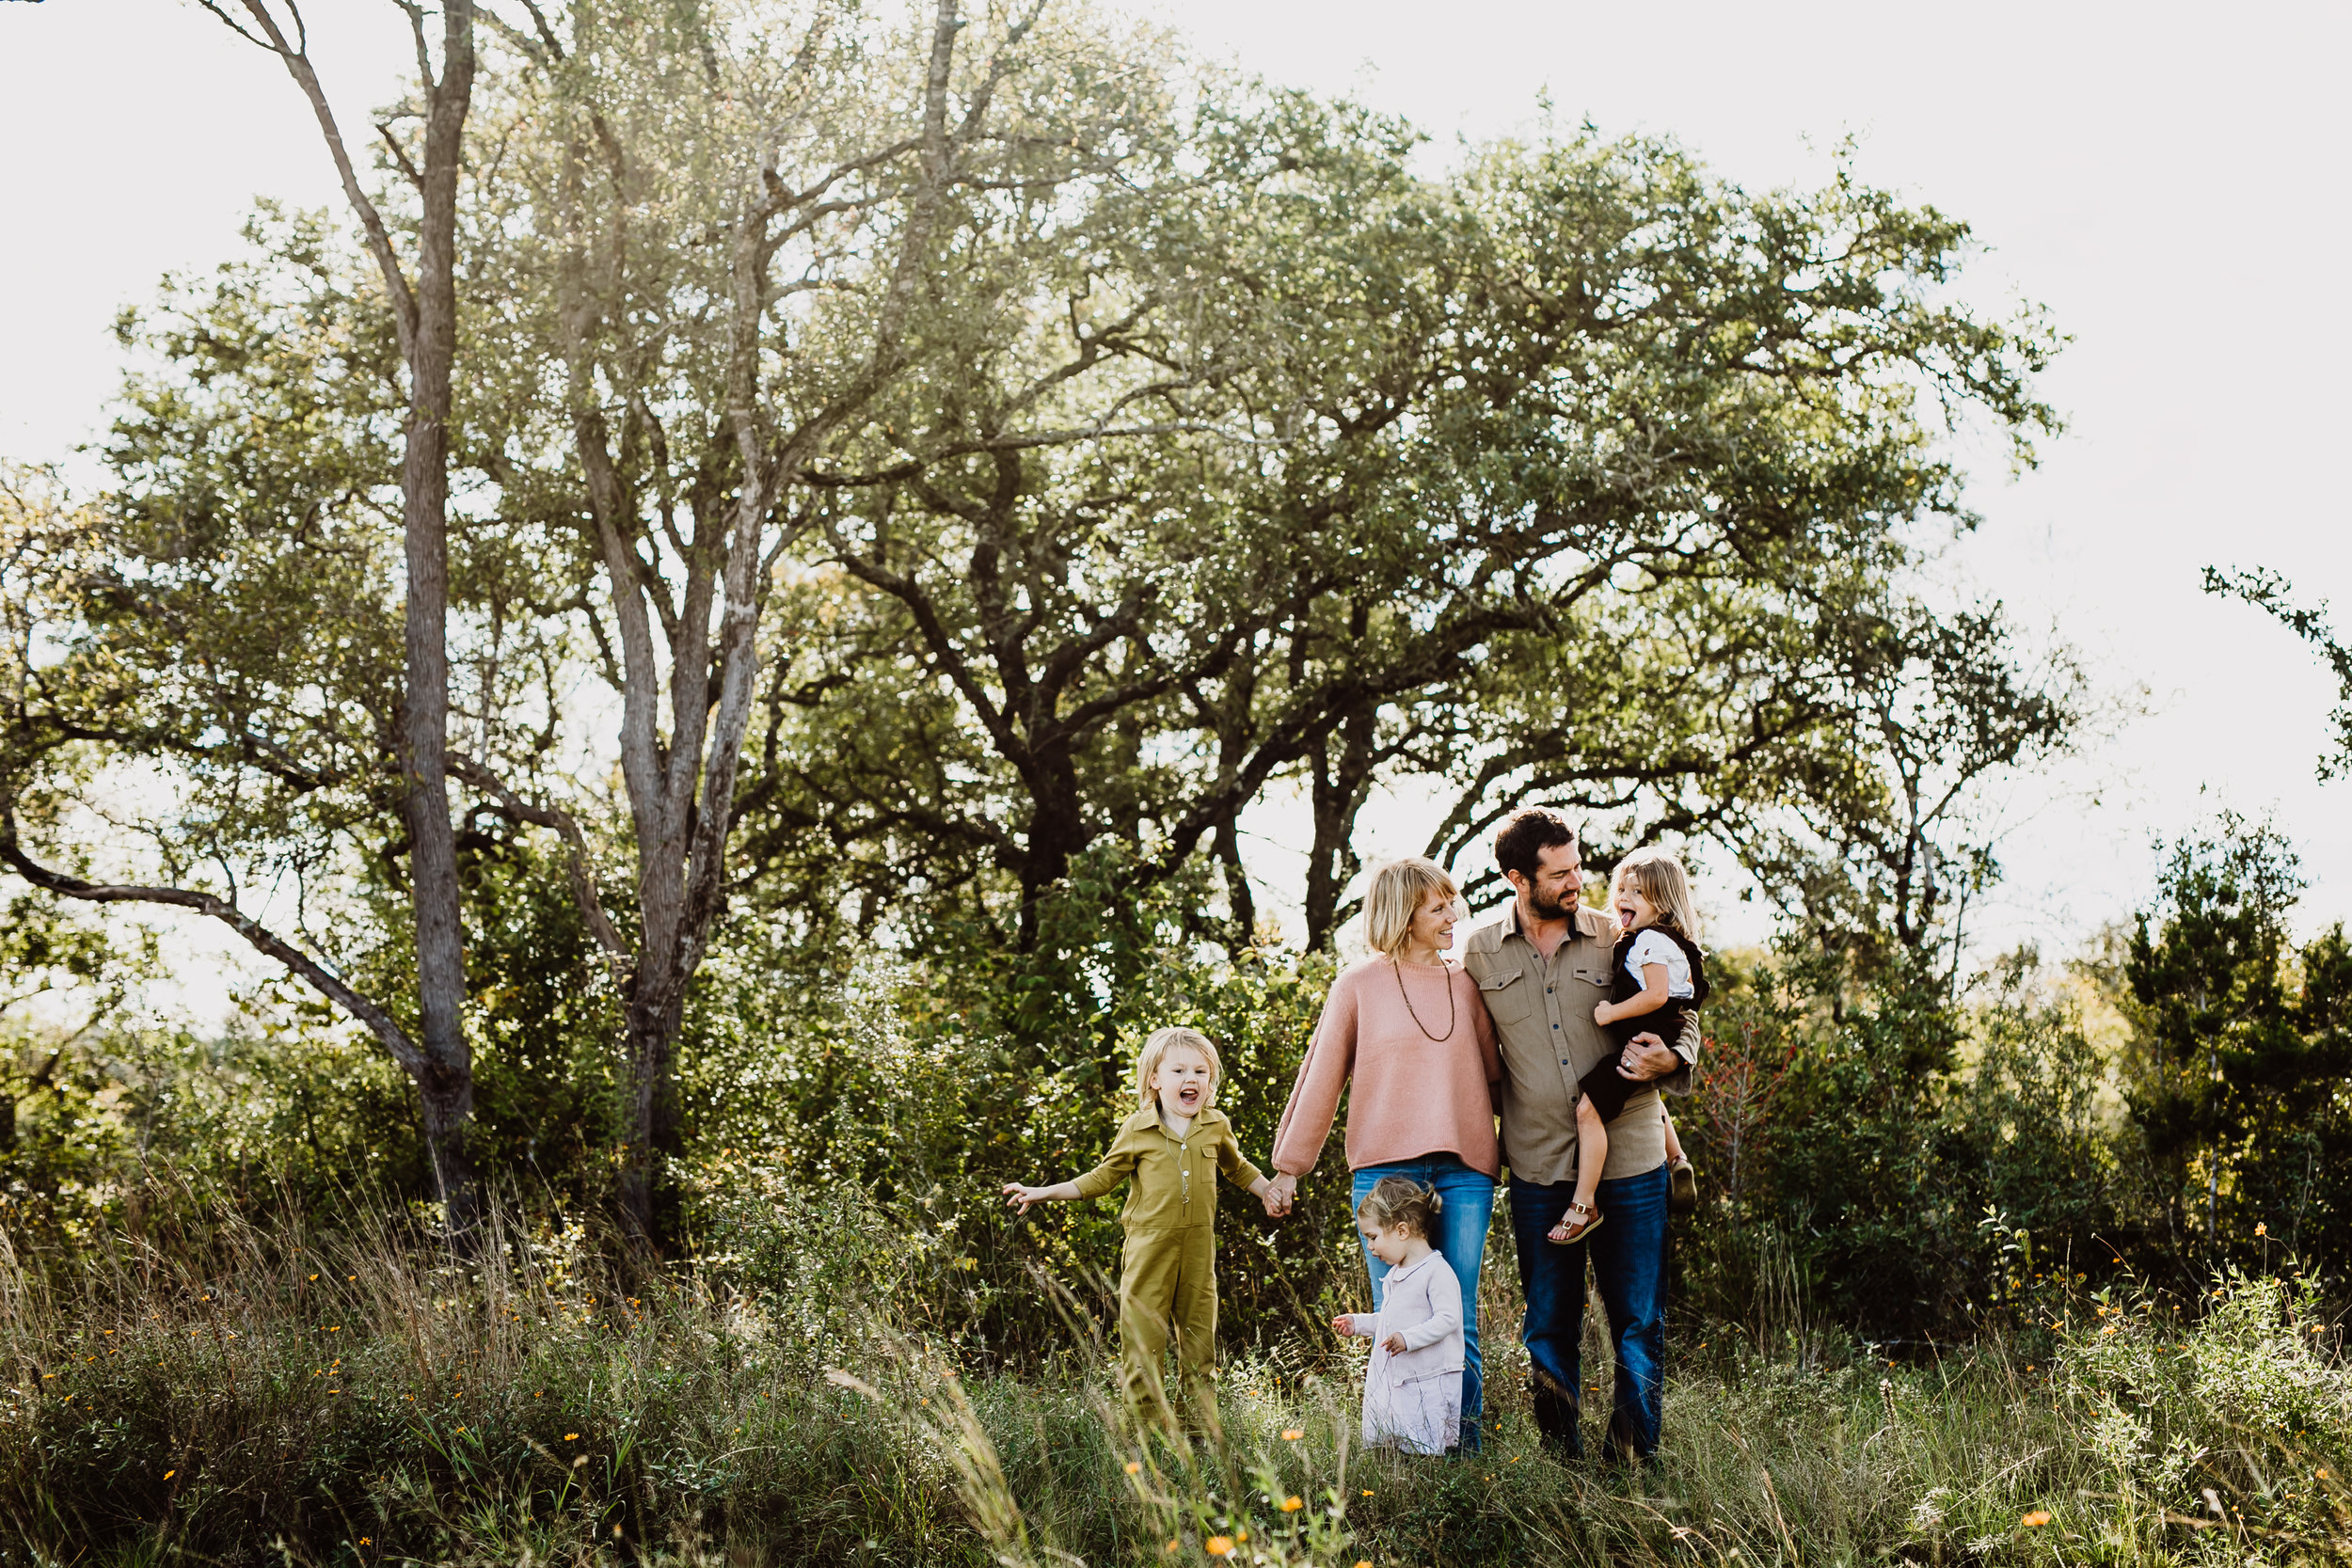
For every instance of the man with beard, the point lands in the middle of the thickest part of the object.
(1540, 970)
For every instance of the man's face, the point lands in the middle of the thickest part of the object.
(1559, 882)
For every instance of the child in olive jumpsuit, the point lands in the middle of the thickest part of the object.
(1171, 1150)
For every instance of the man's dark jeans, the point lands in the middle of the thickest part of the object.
(1628, 1253)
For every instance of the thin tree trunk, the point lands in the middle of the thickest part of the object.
(425, 314)
(1339, 784)
(447, 1089)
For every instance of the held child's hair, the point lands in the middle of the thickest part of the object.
(1159, 1044)
(1659, 876)
(1401, 1200)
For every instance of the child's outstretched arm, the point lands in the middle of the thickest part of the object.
(1355, 1324)
(1061, 1191)
(1652, 998)
(1118, 1164)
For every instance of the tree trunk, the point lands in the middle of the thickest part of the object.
(1241, 904)
(651, 1043)
(1057, 835)
(447, 1089)
(1340, 775)
(425, 313)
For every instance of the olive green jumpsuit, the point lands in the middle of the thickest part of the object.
(1168, 1269)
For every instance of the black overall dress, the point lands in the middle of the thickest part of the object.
(1609, 1089)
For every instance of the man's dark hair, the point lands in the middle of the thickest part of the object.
(1528, 832)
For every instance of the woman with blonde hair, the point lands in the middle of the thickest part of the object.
(1404, 1035)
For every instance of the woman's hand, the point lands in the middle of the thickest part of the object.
(1394, 1344)
(1282, 1190)
(1020, 1197)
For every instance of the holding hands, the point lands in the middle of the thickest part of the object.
(1279, 1194)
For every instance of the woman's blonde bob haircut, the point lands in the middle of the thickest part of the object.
(1659, 876)
(1398, 891)
(1161, 1042)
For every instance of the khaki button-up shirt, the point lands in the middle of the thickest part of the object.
(1543, 1017)
(1171, 1180)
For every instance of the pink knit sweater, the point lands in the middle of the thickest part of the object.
(1412, 1095)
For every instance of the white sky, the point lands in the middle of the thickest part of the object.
(2168, 181)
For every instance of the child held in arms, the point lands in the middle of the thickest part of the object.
(1170, 1151)
(1413, 1388)
(1656, 975)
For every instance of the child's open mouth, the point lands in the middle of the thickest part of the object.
(1189, 1096)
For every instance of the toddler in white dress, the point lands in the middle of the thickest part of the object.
(1413, 1388)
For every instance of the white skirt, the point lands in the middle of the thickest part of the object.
(1422, 1415)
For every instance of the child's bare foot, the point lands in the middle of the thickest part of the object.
(1580, 1221)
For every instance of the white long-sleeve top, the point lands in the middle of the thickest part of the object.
(1413, 1396)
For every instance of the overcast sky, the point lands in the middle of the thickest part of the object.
(2170, 182)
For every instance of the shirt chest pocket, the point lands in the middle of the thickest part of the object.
(1509, 996)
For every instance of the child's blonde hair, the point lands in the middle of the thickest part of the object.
(1160, 1043)
(1401, 1200)
(1659, 876)
(1397, 893)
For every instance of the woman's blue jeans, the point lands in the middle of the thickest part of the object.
(1468, 1207)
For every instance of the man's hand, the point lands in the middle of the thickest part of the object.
(1647, 1058)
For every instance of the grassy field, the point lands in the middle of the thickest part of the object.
(248, 1396)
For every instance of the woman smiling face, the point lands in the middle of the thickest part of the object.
(1433, 928)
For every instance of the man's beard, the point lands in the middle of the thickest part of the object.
(1544, 908)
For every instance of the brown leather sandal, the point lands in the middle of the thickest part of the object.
(1569, 1230)
(1682, 1187)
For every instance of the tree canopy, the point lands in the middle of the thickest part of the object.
(905, 469)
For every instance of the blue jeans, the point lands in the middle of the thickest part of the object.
(1629, 1252)
(1469, 1206)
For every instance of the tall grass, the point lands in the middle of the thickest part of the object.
(268, 1394)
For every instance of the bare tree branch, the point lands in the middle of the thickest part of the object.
(379, 1022)
(567, 828)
